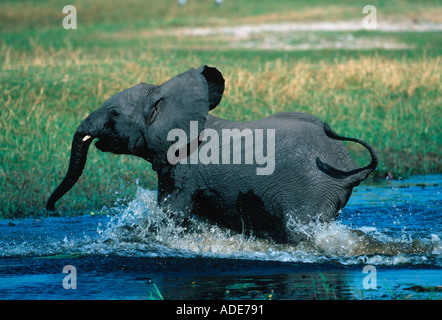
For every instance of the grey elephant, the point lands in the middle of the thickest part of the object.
(262, 177)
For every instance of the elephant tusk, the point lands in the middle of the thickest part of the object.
(86, 138)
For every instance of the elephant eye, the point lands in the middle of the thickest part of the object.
(153, 111)
(114, 113)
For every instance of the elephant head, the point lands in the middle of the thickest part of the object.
(137, 120)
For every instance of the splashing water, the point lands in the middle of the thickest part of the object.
(388, 225)
(159, 232)
(145, 228)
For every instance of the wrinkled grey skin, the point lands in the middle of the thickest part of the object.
(313, 177)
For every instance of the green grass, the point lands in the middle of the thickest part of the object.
(52, 78)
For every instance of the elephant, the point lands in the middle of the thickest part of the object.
(310, 177)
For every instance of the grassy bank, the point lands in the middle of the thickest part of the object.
(52, 78)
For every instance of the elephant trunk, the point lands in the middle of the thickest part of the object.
(86, 132)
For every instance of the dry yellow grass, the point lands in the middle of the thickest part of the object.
(375, 77)
(395, 105)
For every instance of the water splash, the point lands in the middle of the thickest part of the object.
(160, 232)
(389, 225)
(145, 229)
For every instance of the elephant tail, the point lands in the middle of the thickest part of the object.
(357, 175)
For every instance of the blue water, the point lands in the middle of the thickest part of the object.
(139, 252)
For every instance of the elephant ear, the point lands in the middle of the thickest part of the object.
(215, 84)
(186, 98)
